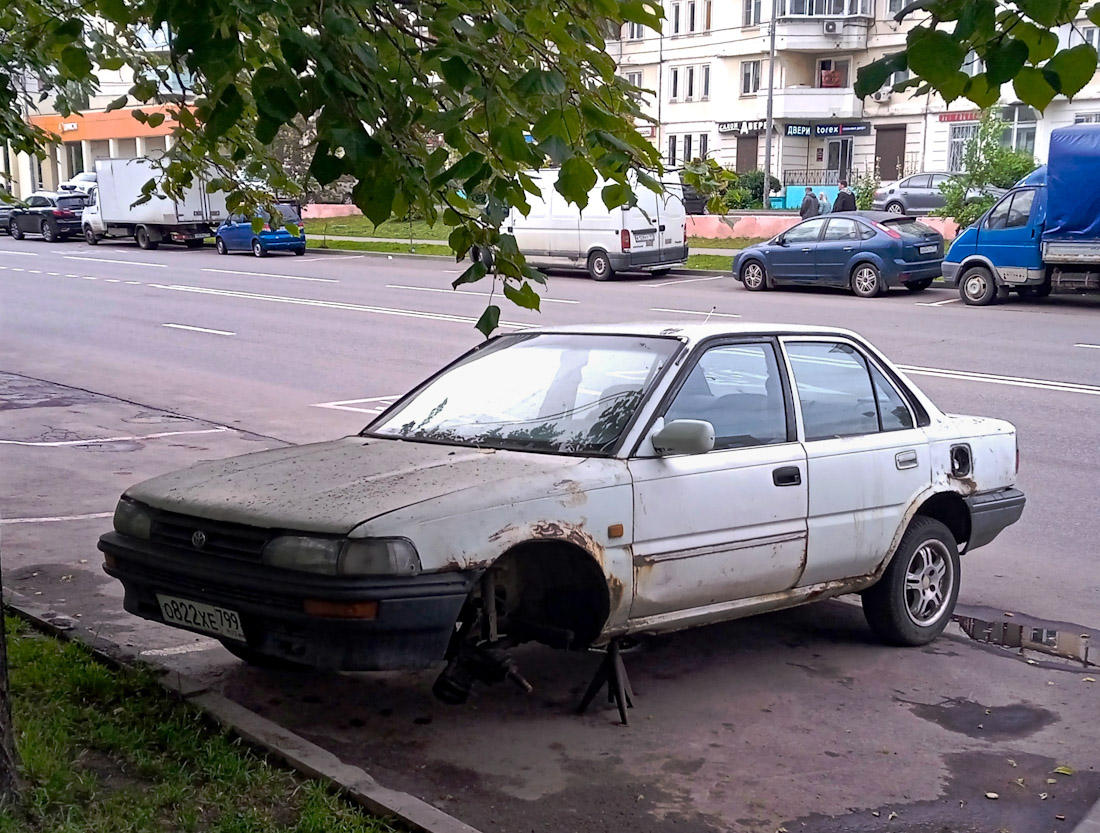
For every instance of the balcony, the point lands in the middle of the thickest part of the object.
(823, 25)
(815, 103)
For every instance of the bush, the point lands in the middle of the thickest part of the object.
(753, 182)
(712, 181)
(864, 187)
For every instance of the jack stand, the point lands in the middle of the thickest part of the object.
(613, 672)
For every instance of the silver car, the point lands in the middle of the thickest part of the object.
(921, 194)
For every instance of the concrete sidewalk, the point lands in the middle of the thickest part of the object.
(421, 242)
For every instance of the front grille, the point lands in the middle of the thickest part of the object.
(228, 540)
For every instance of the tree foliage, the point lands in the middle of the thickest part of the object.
(717, 185)
(1013, 41)
(420, 102)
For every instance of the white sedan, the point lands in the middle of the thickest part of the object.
(575, 485)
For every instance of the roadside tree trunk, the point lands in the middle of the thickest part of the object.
(9, 781)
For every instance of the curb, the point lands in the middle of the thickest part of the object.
(299, 754)
(1091, 822)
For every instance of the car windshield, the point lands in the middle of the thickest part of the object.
(557, 393)
(71, 202)
(288, 212)
(909, 228)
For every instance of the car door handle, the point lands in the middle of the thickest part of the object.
(661, 228)
(849, 248)
(906, 459)
(807, 249)
(787, 476)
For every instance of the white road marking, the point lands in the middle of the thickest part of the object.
(89, 277)
(203, 645)
(17, 269)
(35, 271)
(111, 280)
(123, 262)
(993, 379)
(54, 274)
(133, 283)
(21, 254)
(72, 276)
(64, 443)
(348, 404)
(695, 312)
(1092, 346)
(938, 303)
(688, 280)
(272, 275)
(89, 517)
(329, 257)
(313, 302)
(199, 329)
(542, 299)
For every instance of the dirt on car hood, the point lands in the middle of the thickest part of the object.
(332, 487)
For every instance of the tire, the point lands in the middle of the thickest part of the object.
(977, 287)
(49, 233)
(90, 236)
(754, 275)
(15, 231)
(912, 603)
(258, 660)
(919, 286)
(658, 273)
(895, 207)
(299, 252)
(867, 280)
(193, 244)
(599, 266)
(143, 239)
(258, 249)
(219, 244)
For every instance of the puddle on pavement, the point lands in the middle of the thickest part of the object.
(1033, 639)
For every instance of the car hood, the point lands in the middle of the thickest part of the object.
(332, 487)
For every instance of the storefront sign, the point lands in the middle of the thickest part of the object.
(797, 130)
(742, 127)
(969, 115)
(68, 125)
(859, 128)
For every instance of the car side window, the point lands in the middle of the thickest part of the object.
(737, 389)
(866, 232)
(998, 217)
(939, 179)
(920, 181)
(1020, 211)
(894, 414)
(806, 232)
(841, 229)
(37, 202)
(834, 389)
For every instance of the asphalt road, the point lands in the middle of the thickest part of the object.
(187, 355)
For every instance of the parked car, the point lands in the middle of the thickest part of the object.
(236, 234)
(573, 485)
(84, 182)
(866, 251)
(55, 216)
(921, 194)
(5, 211)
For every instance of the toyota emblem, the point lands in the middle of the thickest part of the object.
(198, 540)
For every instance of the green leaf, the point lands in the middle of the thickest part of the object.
(114, 10)
(556, 148)
(117, 104)
(540, 82)
(69, 30)
(76, 61)
(257, 225)
(456, 73)
(953, 87)
(977, 21)
(476, 271)
(1033, 89)
(227, 112)
(1074, 67)
(463, 169)
(872, 77)
(1043, 12)
(575, 180)
(616, 194)
(524, 296)
(273, 99)
(1041, 44)
(1094, 14)
(374, 195)
(489, 320)
(155, 119)
(934, 55)
(983, 93)
(1003, 60)
(511, 144)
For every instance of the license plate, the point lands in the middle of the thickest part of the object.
(645, 238)
(928, 250)
(216, 620)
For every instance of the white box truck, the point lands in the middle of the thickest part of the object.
(113, 213)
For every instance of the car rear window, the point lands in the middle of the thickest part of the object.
(71, 202)
(909, 228)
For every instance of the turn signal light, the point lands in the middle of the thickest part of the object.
(341, 610)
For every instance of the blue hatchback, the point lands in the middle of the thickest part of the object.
(865, 251)
(236, 234)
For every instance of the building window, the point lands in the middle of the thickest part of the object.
(672, 151)
(1020, 123)
(960, 135)
(894, 6)
(687, 148)
(689, 83)
(898, 77)
(634, 79)
(752, 12)
(674, 84)
(825, 8)
(972, 65)
(750, 77)
(635, 31)
(675, 18)
(704, 139)
(1087, 118)
(706, 81)
(1091, 36)
(833, 73)
(689, 16)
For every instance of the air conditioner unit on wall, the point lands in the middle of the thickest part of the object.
(882, 96)
(832, 27)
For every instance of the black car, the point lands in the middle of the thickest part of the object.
(5, 209)
(54, 216)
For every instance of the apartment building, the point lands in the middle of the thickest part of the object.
(708, 76)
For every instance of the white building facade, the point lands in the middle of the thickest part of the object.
(708, 76)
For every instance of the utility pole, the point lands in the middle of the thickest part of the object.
(768, 125)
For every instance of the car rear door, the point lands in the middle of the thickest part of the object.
(791, 259)
(672, 226)
(915, 192)
(836, 248)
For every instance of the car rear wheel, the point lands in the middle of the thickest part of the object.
(867, 281)
(299, 252)
(919, 286)
(258, 660)
(895, 207)
(258, 249)
(977, 287)
(15, 231)
(219, 244)
(912, 603)
(144, 239)
(90, 236)
(754, 276)
(49, 233)
(599, 266)
(193, 244)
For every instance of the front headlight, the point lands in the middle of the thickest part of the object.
(133, 519)
(331, 556)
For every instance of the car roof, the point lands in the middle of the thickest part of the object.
(694, 331)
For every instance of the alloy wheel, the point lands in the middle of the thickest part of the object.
(928, 580)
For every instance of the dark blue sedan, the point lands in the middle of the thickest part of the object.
(865, 251)
(237, 234)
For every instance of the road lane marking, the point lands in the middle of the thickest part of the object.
(202, 645)
(1091, 346)
(21, 254)
(542, 299)
(938, 303)
(17, 269)
(313, 302)
(111, 280)
(102, 440)
(123, 262)
(993, 379)
(35, 271)
(72, 276)
(199, 329)
(330, 257)
(695, 312)
(133, 283)
(54, 519)
(54, 274)
(348, 404)
(271, 275)
(687, 280)
(89, 277)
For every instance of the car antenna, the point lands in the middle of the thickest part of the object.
(709, 314)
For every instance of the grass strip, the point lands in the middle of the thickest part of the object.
(356, 225)
(111, 751)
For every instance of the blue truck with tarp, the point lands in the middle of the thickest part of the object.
(1043, 236)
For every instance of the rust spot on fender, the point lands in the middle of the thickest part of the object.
(573, 533)
(968, 486)
(575, 494)
(501, 533)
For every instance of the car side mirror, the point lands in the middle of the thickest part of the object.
(684, 436)
(781, 240)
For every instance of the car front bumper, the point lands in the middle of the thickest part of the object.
(991, 512)
(412, 627)
(950, 272)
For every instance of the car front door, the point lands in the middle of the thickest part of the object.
(837, 246)
(729, 524)
(1008, 233)
(791, 257)
(915, 192)
(30, 221)
(866, 457)
(234, 232)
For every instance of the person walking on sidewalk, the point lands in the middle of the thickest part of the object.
(810, 206)
(823, 201)
(845, 200)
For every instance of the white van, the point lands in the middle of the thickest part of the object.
(650, 237)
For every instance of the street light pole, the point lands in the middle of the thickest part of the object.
(768, 125)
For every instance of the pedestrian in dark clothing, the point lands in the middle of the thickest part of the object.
(845, 200)
(810, 206)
